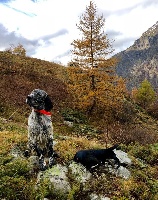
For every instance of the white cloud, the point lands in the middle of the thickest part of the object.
(47, 27)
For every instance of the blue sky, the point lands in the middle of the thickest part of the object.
(46, 28)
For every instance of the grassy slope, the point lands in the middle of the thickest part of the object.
(18, 77)
(17, 183)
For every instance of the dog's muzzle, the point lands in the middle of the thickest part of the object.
(29, 100)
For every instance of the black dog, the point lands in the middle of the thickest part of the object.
(93, 158)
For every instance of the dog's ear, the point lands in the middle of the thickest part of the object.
(48, 103)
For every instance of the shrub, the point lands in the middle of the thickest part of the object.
(146, 94)
(145, 186)
(127, 112)
(132, 134)
(15, 182)
(85, 130)
(148, 153)
(153, 110)
(73, 116)
(16, 168)
(46, 190)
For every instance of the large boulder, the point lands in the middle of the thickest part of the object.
(57, 177)
(122, 171)
(80, 173)
(123, 157)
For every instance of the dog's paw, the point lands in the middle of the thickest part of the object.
(55, 154)
(42, 163)
(27, 153)
(51, 162)
(43, 167)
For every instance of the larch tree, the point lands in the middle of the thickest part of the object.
(145, 95)
(91, 73)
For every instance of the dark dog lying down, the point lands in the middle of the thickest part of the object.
(93, 158)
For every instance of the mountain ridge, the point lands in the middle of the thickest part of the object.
(140, 61)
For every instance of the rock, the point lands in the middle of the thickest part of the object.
(121, 171)
(34, 160)
(123, 157)
(16, 152)
(124, 172)
(80, 172)
(141, 59)
(57, 177)
(68, 123)
(96, 197)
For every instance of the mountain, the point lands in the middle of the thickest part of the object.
(140, 61)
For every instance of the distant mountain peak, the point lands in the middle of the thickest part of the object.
(152, 31)
(140, 61)
(144, 41)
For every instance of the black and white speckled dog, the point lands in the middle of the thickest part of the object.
(40, 129)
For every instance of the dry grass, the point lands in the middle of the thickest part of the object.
(70, 145)
(9, 139)
(141, 185)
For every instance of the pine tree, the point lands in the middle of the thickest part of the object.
(92, 77)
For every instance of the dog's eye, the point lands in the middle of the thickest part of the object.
(39, 101)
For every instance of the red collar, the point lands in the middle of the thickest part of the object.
(44, 112)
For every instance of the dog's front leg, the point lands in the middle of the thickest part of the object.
(117, 161)
(42, 163)
(51, 153)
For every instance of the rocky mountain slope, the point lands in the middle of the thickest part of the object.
(140, 61)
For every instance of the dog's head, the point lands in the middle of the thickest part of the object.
(39, 100)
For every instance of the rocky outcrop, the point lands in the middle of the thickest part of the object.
(140, 61)
(59, 177)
